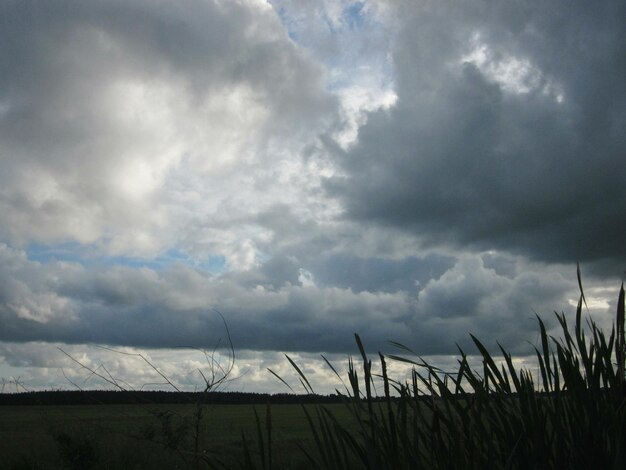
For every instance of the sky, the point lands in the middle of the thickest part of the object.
(301, 170)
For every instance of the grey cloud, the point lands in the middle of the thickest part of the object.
(102, 102)
(68, 49)
(339, 255)
(502, 264)
(281, 269)
(473, 298)
(379, 274)
(176, 307)
(485, 155)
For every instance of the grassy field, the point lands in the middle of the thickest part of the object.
(132, 436)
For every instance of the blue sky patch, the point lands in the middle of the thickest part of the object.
(354, 15)
(84, 255)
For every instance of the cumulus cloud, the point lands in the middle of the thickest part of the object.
(118, 119)
(508, 131)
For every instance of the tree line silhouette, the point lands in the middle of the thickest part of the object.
(119, 397)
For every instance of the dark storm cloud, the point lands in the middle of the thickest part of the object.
(176, 307)
(509, 131)
(409, 274)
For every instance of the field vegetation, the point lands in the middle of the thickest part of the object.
(147, 436)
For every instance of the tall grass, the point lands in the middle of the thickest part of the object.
(573, 415)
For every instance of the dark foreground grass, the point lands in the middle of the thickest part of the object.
(501, 417)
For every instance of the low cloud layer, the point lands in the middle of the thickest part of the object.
(181, 307)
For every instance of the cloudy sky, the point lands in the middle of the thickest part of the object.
(408, 170)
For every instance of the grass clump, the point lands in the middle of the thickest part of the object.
(501, 417)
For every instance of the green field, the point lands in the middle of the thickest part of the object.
(132, 436)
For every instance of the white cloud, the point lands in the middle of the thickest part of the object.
(118, 120)
(513, 74)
